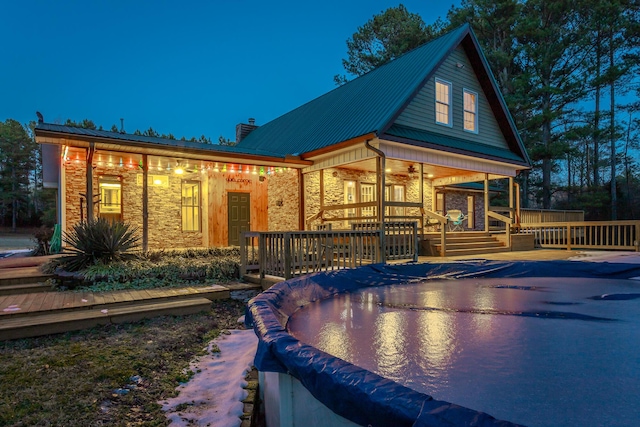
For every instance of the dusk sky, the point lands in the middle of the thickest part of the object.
(187, 68)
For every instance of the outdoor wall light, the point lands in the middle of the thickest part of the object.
(178, 170)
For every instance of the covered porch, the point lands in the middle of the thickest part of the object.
(383, 182)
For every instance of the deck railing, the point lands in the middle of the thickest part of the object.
(622, 235)
(292, 253)
(536, 216)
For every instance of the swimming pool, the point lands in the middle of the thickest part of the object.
(558, 347)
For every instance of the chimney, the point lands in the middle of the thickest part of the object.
(121, 125)
(243, 129)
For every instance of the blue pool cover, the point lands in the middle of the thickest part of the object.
(358, 394)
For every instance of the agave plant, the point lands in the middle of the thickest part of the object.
(98, 241)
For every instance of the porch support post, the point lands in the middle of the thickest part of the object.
(321, 190)
(145, 205)
(486, 202)
(421, 189)
(301, 213)
(380, 182)
(380, 179)
(511, 197)
(517, 187)
(89, 167)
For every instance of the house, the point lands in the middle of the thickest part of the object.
(408, 140)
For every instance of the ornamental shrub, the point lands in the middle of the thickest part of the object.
(98, 241)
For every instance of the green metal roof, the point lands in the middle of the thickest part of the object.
(364, 105)
(160, 142)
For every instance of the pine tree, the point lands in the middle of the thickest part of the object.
(17, 161)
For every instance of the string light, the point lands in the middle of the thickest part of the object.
(261, 170)
(224, 168)
(215, 168)
(255, 170)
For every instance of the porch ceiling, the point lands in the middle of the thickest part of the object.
(401, 167)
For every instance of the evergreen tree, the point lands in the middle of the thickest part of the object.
(552, 51)
(385, 37)
(17, 161)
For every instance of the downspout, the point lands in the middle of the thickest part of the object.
(380, 179)
(89, 181)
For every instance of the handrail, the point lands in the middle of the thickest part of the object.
(443, 232)
(507, 221)
(499, 217)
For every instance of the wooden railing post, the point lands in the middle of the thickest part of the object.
(636, 240)
(443, 238)
(262, 254)
(416, 244)
(568, 236)
(243, 255)
(287, 255)
(383, 249)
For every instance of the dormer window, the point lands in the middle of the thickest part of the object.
(470, 102)
(443, 102)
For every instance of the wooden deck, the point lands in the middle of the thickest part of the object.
(43, 313)
(28, 307)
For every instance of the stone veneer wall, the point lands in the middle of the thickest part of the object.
(165, 224)
(458, 200)
(334, 179)
(283, 201)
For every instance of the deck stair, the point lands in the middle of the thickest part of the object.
(69, 320)
(464, 243)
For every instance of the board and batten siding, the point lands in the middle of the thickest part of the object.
(420, 113)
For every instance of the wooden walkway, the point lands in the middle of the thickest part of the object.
(27, 309)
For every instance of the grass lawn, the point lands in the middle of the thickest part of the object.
(77, 379)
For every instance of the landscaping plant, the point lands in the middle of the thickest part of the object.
(98, 241)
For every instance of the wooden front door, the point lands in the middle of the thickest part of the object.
(239, 215)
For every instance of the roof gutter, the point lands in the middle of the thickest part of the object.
(136, 146)
(343, 144)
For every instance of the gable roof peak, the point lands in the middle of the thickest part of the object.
(362, 106)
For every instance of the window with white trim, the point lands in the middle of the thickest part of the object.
(368, 194)
(470, 102)
(394, 193)
(349, 198)
(443, 102)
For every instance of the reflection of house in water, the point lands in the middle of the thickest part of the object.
(393, 144)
